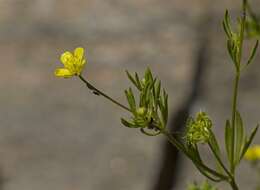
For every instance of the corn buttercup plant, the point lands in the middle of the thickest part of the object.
(148, 108)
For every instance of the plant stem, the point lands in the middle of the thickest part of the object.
(234, 108)
(231, 181)
(181, 147)
(173, 141)
(219, 160)
(236, 82)
(233, 184)
(98, 92)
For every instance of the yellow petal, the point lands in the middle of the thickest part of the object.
(66, 58)
(62, 72)
(253, 153)
(83, 62)
(79, 53)
(257, 151)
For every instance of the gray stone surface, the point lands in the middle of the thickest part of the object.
(56, 135)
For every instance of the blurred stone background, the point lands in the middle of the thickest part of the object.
(55, 134)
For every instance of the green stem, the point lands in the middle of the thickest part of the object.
(233, 184)
(173, 141)
(242, 31)
(231, 181)
(98, 92)
(220, 161)
(236, 82)
(234, 108)
(181, 147)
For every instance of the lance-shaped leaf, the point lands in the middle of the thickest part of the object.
(138, 82)
(214, 144)
(128, 123)
(230, 47)
(228, 140)
(226, 24)
(249, 141)
(240, 137)
(135, 82)
(163, 105)
(131, 99)
(148, 75)
(158, 90)
(253, 52)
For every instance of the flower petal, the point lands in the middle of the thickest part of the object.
(66, 58)
(79, 53)
(62, 72)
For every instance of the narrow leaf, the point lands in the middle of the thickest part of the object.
(249, 141)
(225, 29)
(214, 145)
(128, 123)
(139, 86)
(165, 106)
(227, 23)
(232, 51)
(131, 78)
(148, 75)
(253, 52)
(158, 90)
(240, 140)
(228, 140)
(131, 99)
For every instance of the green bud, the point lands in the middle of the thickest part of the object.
(141, 111)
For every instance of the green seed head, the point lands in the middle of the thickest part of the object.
(198, 129)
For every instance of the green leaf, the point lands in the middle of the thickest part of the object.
(228, 140)
(165, 106)
(132, 79)
(226, 24)
(240, 137)
(138, 82)
(249, 141)
(253, 52)
(214, 144)
(131, 99)
(128, 123)
(154, 93)
(148, 75)
(158, 89)
(230, 49)
(225, 29)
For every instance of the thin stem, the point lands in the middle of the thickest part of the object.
(236, 82)
(180, 147)
(219, 160)
(232, 181)
(242, 31)
(234, 108)
(233, 184)
(98, 92)
(173, 141)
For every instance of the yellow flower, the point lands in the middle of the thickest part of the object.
(73, 63)
(253, 153)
